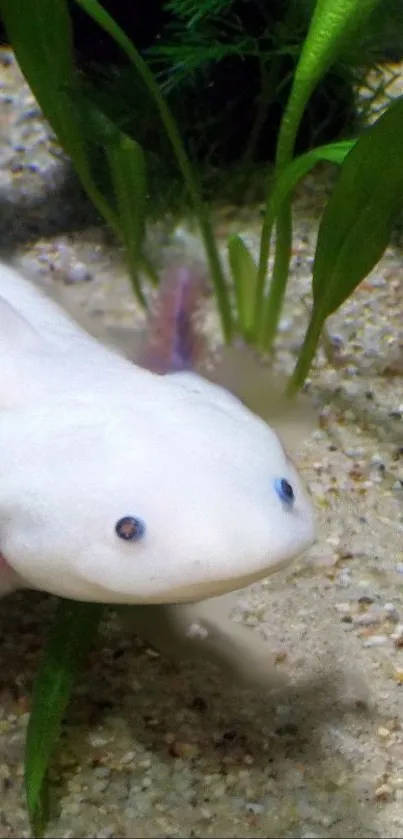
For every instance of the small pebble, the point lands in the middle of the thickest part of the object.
(343, 608)
(383, 792)
(383, 732)
(196, 630)
(184, 750)
(344, 578)
(367, 619)
(375, 641)
(254, 807)
(77, 273)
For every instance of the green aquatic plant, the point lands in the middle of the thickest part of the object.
(353, 233)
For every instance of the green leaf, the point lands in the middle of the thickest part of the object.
(298, 168)
(244, 274)
(356, 225)
(333, 22)
(129, 177)
(266, 317)
(71, 635)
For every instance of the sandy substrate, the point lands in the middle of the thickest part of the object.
(154, 747)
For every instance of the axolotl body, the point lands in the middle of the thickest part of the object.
(123, 485)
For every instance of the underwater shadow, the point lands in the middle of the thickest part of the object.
(168, 703)
(159, 698)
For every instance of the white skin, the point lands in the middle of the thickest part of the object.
(88, 438)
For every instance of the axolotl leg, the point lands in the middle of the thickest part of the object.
(206, 631)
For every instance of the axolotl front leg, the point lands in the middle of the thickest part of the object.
(206, 630)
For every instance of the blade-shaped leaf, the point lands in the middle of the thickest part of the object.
(357, 221)
(333, 23)
(128, 170)
(281, 192)
(295, 171)
(71, 635)
(356, 224)
(244, 274)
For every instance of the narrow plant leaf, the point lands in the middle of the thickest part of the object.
(281, 192)
(71, 635)
(129, 177)
(298, 168)
(333, 22)
(356, 225)
(244, 274)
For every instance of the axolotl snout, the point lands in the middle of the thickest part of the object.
(122, 485)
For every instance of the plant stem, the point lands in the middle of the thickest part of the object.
(274, 301)
(275, 297)
(267, 314)
(264, 253)
(306, 355)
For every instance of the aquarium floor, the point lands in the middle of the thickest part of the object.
(158, 748)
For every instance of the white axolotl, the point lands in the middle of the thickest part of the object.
(130, 484)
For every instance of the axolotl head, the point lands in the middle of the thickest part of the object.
(132, 508)
(131, 487)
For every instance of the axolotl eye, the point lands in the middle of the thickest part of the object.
(130, 528)
(284, 490)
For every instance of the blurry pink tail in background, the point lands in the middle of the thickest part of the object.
(174, 338)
